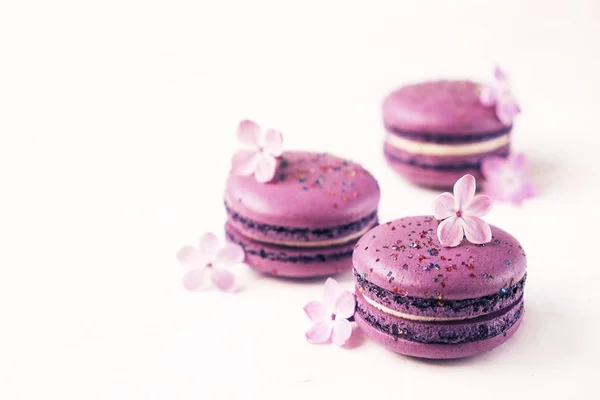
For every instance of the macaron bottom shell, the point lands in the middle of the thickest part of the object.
(292, 262)
(431, 178)
(492, 331)
(439, 172)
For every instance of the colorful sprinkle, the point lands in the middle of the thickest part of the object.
(431, 266)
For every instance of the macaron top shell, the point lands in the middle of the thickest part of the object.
(405, 256)
(441, 107)
(309, 190)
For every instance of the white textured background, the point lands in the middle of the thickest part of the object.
(117, 121)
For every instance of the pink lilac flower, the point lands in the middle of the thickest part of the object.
(209, 256)
(261, 160)
(330, 317)
(506, 178)
(460, 214)
(499, 95)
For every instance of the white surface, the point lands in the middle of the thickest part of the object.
(117, 120)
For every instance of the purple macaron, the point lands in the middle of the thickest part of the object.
(440, 131)
(306, 221)
(424, 300)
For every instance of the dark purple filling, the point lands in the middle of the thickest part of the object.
(283, 257)
(433, 307)
(452, 333)
(442, 138)
(302, 234)
(439, 167)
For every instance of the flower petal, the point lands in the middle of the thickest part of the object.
(480, 206)
(495, 189)
(341, 331)
(477, 230)
(345, 305)
(244, 163)
(229, 255)
(464, 190)
(249, 133)
(223, 279)
(492, 166)
(450, 232)
(518, 162)
(208, 247)
(487, 96)
(319, 333)
(189, 256)
(193, 279)
(503, 116)
(330, 293)
(265, 167)
(315, 311)
(526, 191)
(499, 74)
(506, 111)
(273, 142)
(443, 206)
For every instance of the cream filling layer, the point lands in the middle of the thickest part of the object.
(399, 314)
(435, 149)
(323, 243)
